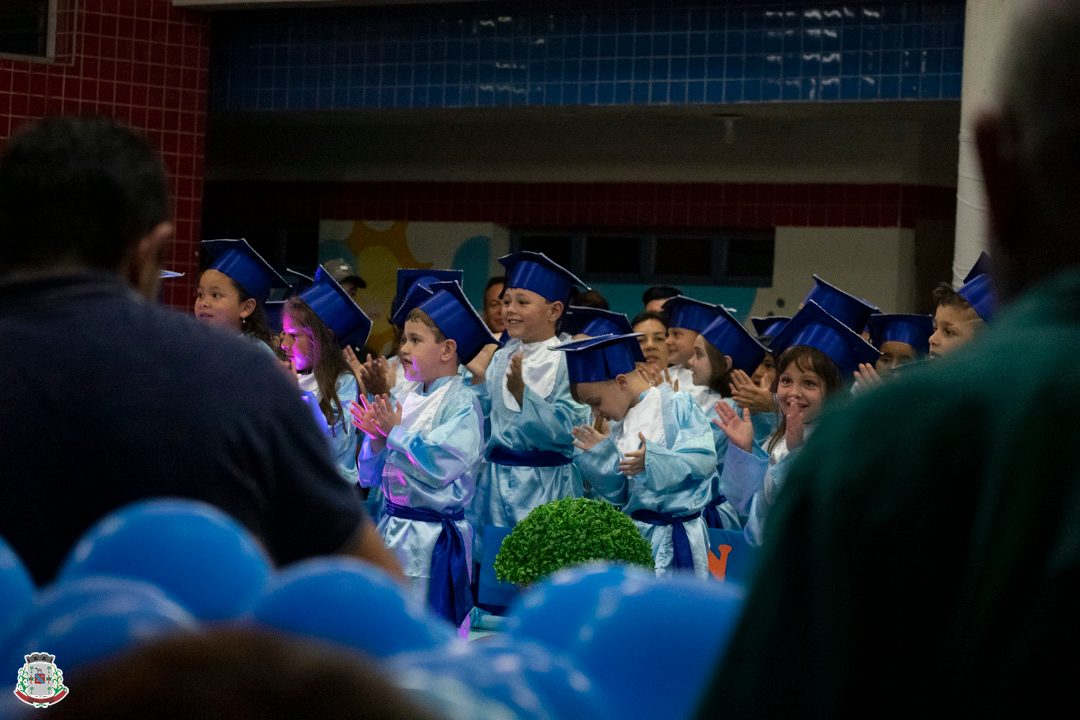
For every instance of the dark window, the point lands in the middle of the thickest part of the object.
(612, 255)
(24, 27)
(750, 257)
(559, 248)
(684, 256)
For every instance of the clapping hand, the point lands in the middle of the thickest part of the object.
(515, 379)
(740, 430)
(633, 462)
(587, 437)
(866, 377)
(363, 417)
(794, 428)
(757, 398)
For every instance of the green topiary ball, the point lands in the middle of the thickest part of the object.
(569, 532)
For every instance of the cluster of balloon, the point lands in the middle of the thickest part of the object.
(149, 569)
(648, 646)
(596, 641)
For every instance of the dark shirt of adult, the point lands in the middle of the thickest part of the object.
(109, 398)
(924, 556)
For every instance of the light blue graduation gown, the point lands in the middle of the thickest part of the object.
(753, 480)
(729, 516)
(341, 435)
(678, 473)
(543, 423)
(431, 464)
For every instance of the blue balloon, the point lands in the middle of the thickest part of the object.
(522, 679)
(16, 589)
(202, 557)
(56, 600)
(651, 651)
(350, 603)
(85, 622)
(554, 611)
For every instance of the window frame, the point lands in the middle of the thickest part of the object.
(720, 239)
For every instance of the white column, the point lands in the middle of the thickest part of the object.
(986, 30)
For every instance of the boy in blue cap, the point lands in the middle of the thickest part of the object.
(816, 353)
(962, 313)
(426, 448)
(527, 395)
(901, 339)
(658, 461)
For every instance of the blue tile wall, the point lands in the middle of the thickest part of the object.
(599, 53)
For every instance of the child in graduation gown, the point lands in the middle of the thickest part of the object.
(722, 347)
(687, 317)
(426, 448)
(815, 352)
(234, 288)
(658, 461)
(316, 324)
(526, 395)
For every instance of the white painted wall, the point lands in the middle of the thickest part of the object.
(877, 264)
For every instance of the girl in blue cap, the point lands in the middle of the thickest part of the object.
(526, 395)
(315, 325)
(233, 289)
(816, 351)
(658, 461)
(426, 449)
(721, 347)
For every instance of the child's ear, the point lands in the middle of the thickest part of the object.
(622, 381)
(449, 349)
(247, 307)
(556, 310)
(730, 363)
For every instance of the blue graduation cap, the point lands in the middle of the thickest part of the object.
(814, 327)
(535, 271)
(246, 267)
(690, 314)
(768, 327)
(169, 274)
(580, 320)
(915, 330)
(601, 358)
(842, 305)
(727, 335)
(455, 316)
(979, 295)
(981, 267)
(407, 278)
(337, 309)
(412, 289)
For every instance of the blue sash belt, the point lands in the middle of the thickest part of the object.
(712, 515)
(449, 591)
(680, 541)
(526, 458)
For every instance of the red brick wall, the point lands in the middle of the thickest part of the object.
(698, 205)
(143, 62)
